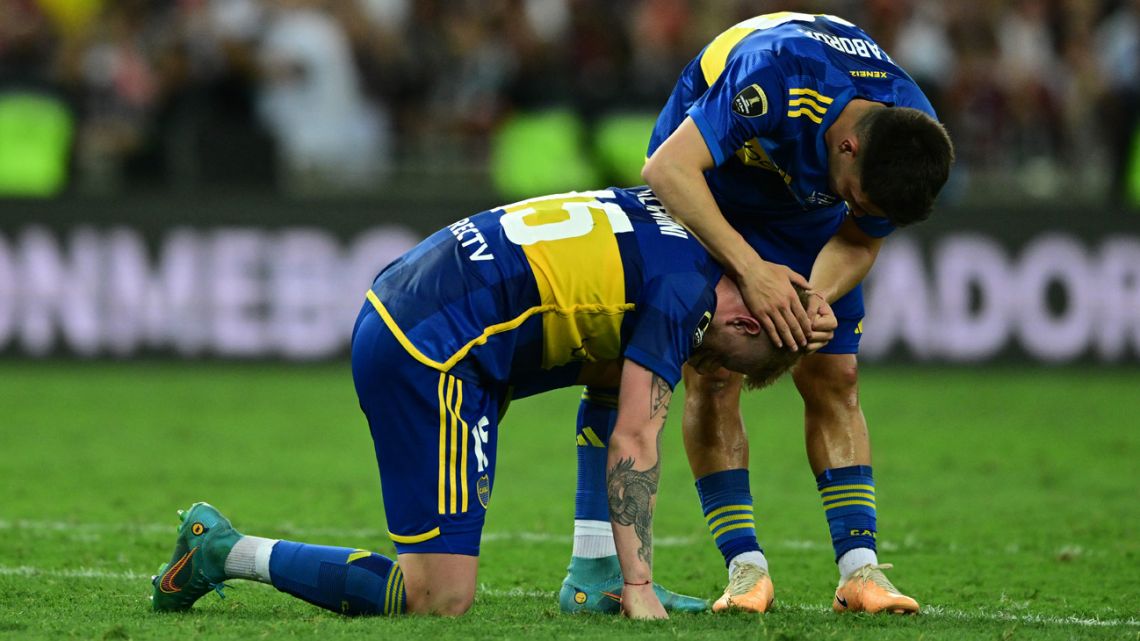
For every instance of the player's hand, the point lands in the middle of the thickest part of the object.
(641, 602)
(823, 322)
(768, 293)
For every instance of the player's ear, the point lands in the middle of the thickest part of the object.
(747, 325)
(849, 145)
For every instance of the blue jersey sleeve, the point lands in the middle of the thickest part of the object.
(744, 102)
(669, 313)
(874, 226)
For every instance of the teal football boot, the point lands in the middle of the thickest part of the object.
(197, 566)
(595, 585)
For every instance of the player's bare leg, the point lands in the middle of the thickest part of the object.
(712, 424)
(439, 583)
(717, 447)
(839, 451)
(835, 430)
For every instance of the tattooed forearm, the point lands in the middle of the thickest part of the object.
(631, 495)
(659, 397)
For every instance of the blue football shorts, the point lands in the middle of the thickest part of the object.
(797, 245)
(435, 437)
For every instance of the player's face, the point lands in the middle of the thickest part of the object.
(850, 189)
(846, 184)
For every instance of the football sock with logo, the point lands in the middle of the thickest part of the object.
(593, 535)
(343, 580)
(726, 500)
(848, 495)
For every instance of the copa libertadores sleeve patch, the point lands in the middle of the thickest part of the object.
(750, 102)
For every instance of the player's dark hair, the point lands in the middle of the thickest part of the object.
(905, 160)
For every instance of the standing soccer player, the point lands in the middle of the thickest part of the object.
(600, 288)
(791, 146)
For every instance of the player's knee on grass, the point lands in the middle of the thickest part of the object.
(440, 600)
(442, 584)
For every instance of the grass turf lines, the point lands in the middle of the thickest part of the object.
(1007, 498)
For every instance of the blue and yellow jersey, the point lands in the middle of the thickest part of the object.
(524, 294)
(762, 95)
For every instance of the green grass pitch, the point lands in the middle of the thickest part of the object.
(1009, 503)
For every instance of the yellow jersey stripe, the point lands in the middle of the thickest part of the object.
(845, 488)
(581, 441)
(442, 440)
(454, 442)
(592, 437)
(595, 292)
(809, 103)
(728, 508)
(804, 91)
(729, 519)
(499, 328)
(738, 526)
(463, 457)
(847, 503)
(805, 112)
(414, 538)
(715, 56)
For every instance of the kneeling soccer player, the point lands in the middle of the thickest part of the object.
(599, 288)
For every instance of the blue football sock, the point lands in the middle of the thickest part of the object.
(343, 580)
(596, 415)
(727, 503)
(848, 495)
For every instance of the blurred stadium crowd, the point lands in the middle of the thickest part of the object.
(108, 96)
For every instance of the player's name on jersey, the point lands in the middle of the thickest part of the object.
(666, 223)
(851, 46)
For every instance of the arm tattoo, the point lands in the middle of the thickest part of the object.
(659, 396)
(631, 494)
